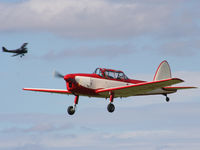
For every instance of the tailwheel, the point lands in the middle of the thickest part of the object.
(167, 99)
(71, 110)
(111, 107)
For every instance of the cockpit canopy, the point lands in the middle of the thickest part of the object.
(110, 74)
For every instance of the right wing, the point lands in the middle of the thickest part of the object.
(58, 91)
(139, 89)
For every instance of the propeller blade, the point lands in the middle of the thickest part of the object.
(58, 75)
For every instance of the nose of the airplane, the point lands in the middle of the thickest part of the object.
(71, 82)
(70, 78)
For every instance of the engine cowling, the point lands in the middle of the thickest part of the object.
(70, 82)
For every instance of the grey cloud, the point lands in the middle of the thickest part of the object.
(174, 24)
(100, 18)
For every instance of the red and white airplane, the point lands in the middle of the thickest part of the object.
(108, 83)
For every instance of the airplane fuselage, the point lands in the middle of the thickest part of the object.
(87, 84)
(18, 51)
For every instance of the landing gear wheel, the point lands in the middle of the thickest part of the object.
(71, 110)
(111, 107)
(167, 99)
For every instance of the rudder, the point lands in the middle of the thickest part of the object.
(163, 71)
(4, 49)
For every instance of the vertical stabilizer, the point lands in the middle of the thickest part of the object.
(4, 49)
(163, 71)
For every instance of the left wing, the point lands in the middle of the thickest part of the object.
(139, 89)
(58, 91)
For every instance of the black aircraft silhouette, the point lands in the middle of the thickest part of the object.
(20, 51)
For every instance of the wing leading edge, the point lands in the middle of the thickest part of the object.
(139, 89)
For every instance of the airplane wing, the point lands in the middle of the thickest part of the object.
(24, 45)
(58, 91)
(139, 89)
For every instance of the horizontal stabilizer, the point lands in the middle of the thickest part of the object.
(178, 88)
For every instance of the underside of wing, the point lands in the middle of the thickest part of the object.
(57, 91)
(140, 89)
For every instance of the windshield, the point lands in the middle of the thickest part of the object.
(110, 74)
(115, 75)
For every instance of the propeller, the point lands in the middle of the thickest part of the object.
(58, 75)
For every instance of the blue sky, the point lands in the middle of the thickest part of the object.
(73, 36)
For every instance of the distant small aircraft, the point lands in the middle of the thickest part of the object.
(20, 51)
(108, 83)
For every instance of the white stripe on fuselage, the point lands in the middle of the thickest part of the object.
(98, 83)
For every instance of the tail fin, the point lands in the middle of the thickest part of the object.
(163, 71)
(4, 49)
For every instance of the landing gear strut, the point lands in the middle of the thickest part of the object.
(111, 106)
(71, 109)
